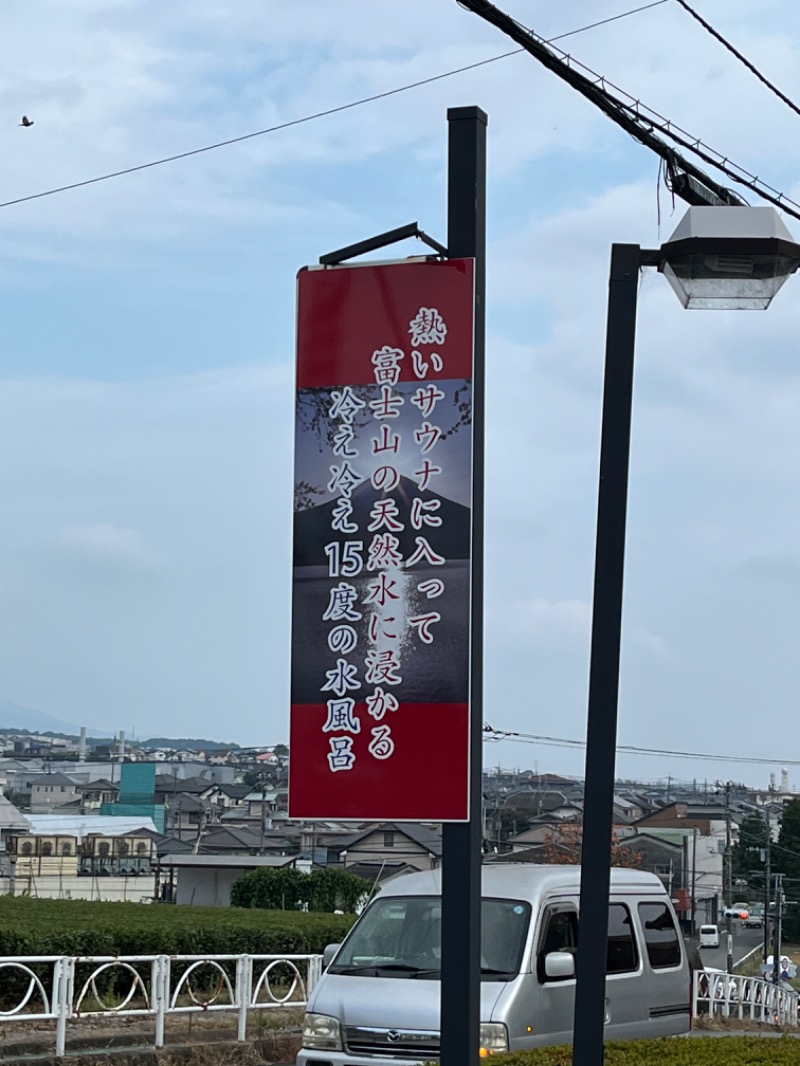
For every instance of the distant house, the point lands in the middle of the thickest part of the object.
(49, 791)
(418, 846)
(228, 840)
(232, 796)
(63, 844)
(206, 880)
(96, 793)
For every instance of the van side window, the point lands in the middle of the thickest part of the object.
(559, 933)
(621, 954)
(660, 935)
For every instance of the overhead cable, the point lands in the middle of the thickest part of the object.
(490, 733)
(318, 114)
(638, 120)
(742, 59)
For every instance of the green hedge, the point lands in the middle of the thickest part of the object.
(285, 888)
(80, 927)
(673, 1051)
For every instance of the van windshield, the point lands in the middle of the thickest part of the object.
(401, 937)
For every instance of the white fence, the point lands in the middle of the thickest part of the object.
(727, 995)
(62, 988)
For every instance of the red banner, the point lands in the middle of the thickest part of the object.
(382, 534)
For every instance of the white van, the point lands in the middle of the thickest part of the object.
(377, 1003)
(709, 936)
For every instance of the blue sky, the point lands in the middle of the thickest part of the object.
(146, 366)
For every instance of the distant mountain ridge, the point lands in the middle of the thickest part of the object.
(17, 719)
(13, 716)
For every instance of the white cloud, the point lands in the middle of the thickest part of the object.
(104, 541)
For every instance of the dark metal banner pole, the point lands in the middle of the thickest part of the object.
(462, 841)
(601, 734)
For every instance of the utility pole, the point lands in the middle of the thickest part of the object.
(728, 878)
(767, 874)
(776, 951)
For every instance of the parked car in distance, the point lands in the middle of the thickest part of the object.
(738, 910)
(709, 936)
(755, 917)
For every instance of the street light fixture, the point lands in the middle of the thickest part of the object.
(729, 258)
(718, 257)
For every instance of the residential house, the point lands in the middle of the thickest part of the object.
(65, 844)
(49, 791)
(419, 846)
(232, 796)
(228, 840)
(94, 794)
(187, 815)
(705, 826)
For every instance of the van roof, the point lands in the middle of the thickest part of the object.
(523, 881)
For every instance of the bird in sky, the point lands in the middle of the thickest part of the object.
(26, 121)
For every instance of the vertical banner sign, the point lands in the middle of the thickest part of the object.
(382, 532)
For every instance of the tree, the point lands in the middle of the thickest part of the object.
(287, 888)
(786, 860)
(563, 848)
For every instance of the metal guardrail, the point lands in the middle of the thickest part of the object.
(64, 988)
(726, 995)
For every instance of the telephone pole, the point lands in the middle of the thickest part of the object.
(728, 878)
(767, 874)
(776, 951)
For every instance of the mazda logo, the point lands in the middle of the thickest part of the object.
(393, 1036)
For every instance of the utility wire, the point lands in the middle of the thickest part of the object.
(490, 733)
(640, 121)
(318, 114)
(742, 59)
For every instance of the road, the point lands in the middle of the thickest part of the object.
(744, 940)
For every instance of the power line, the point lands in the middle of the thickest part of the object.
(318, 114)
(639, 121)
(491, 733)
(742, 59)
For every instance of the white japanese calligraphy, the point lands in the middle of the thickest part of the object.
(341, 717)
(341, 755)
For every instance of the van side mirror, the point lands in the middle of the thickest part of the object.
(328, 953)
(559, 964)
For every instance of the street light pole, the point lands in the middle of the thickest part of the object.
(601, 734)
(722, 258)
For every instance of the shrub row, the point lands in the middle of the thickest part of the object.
(286, 888)
(82, 927)
(671, 1051)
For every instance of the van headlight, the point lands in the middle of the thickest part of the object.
(494, 1038)
(322, 1033)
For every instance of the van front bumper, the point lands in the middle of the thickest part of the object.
(372, 1046)
(347, 1058)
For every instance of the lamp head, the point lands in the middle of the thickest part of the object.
(729, 258)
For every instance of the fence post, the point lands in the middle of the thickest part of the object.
(244, 992)
(160, 983)
(63, 973)
(314, 974)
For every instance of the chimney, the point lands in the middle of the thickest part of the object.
(121, 744)
(772, 782)
(82, 745)
(784, 780)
